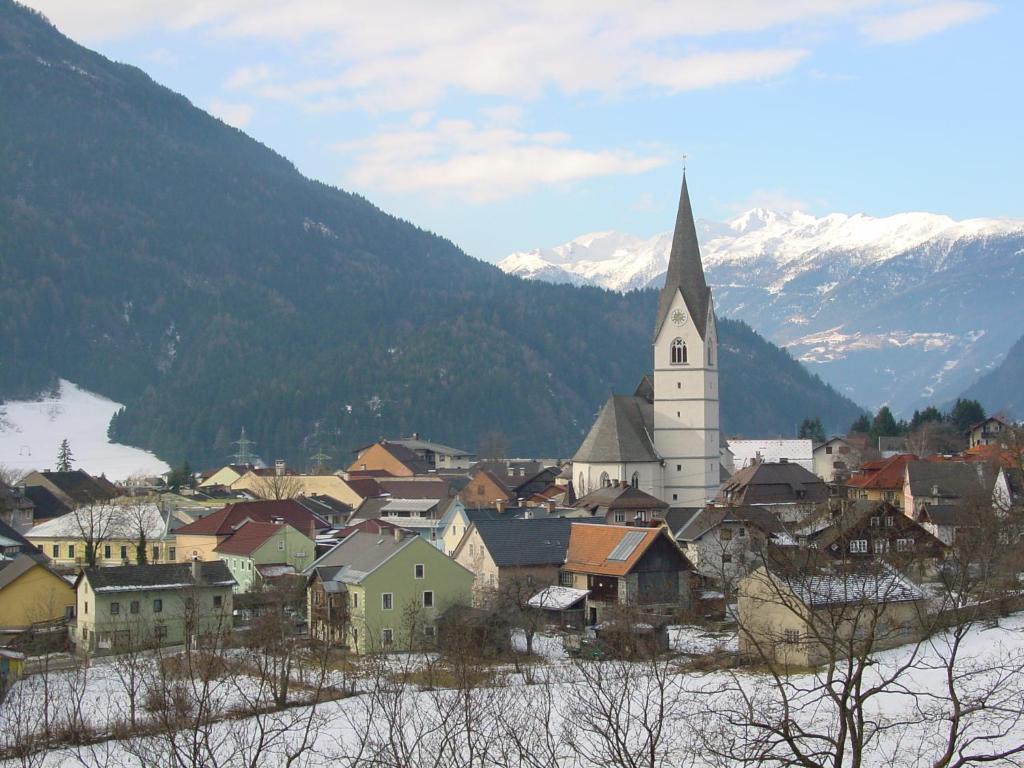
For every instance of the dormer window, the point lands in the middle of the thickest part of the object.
(678, 352)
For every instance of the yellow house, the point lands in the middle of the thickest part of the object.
(225, 476)
(113, 529)
(30, 593)
(265, 484)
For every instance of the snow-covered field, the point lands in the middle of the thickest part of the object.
(31, 432)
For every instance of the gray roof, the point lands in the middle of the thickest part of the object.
(952, 479)
(539, 541)
(360, 554)
(771, 483)
(126, 578)
(685, 272)
(622, 432)
(872, 584)
(948, 515)
(616, 497)
(711, 517)
(415, 444)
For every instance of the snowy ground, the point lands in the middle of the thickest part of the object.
(31, 432)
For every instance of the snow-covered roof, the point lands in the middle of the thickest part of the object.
(408, 505)
(111, 520)
(851, 586)
(745, 452)
(557, 598)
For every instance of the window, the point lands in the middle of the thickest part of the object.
(56, 550)
(158, 606)
(280, 546)
(565, 579)
(635, 482)
(904, 545)
(71, 550)
(160, 631)
(355, 599)
(791, 636)
(387, 601)
(86, 605)
(743, 533)
(218, 600)
(875, 520)
(890, 521)
(675, 497)
(69, 612)
(726, 534)
(859, 546)
(679, 467)
(133, 607)
(620, 517)
(605, 480)
(480, 490)
(172, 554)
(881, 546)
(418, 570)
(678, 352)
(156, 553)
(387, 636)
(124, 552)
(106, 551)
(641, 516)
(428, 599)
(115, 609)
(428, 630)
(828, 450)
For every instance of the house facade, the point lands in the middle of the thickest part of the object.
(145, 605)
(254, 545)
(377, 592)
(201, 538)
(31, 593)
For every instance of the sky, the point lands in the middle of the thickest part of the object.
(505, 126)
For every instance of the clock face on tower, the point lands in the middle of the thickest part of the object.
(678, 317)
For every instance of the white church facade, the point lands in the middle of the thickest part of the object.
(664, 438)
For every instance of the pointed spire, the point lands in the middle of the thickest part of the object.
(685, 271)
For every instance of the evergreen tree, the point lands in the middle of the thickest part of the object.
(862, 424)
(812, 429)
(884, 424)
(964, 413)
(64, 456)
(931, 413)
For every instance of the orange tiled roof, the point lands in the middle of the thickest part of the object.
(590, 544)
(887, 475)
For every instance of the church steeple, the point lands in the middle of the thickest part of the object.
(685, 272)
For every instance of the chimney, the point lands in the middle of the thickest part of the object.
(197, 569)
(398, 534)
(551, 506)
(415, 435)
(499, 505)
(279, 467)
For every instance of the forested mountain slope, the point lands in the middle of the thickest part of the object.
(155, 255)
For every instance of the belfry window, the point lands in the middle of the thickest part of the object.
(678, 352)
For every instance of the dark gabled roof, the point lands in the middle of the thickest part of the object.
(619, 496)
(82, 487)
(370, 509)
(248, 538)
(8, 532)
(360, 554)
(320, 504)
(773, 483)
(364, 487)
(47, 505)
(645, 388)
(224, 521)
(953, 515)
(623, 432)
(685, 272)
(125, 578)
(541, 541)
(711, 517)
(952, 479)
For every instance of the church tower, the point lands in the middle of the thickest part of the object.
(686, 372)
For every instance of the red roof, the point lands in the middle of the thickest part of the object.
(225, 521)
(886, 474)
(364, 487)
(248, 538)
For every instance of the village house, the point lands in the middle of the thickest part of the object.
(945, 483)
(73, 488)
(991, 431)
(13, 543)
(621, 565)
(621, 504)
(864, 530)
(506, 554)
(114, 529)
(725, 543)
(225, 476)
(31, 594)
(880, 480)
(335, 512)
(391, 457)
(435, 456)
(807, 616)
(380, 591)
(16, 509)
(789, 491)
(256, 552)
(137, 606)
(836, 459)
(493, 482)
(201, 538)
(947, 522)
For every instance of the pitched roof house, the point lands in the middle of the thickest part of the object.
(253, 546)
(880, 480)
(392, 456)
(74, 488)
(621, 503)
(724, 543)
(622, 565)
(16, 509)
(31, 593)
(865, 530)
(946, 482)
(787, 489)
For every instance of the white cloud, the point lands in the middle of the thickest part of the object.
(924, 20)
(481, 164)
(233, 113)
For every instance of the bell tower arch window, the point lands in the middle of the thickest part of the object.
(678, 352)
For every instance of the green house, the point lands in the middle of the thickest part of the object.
(258, 551)
(383, 591)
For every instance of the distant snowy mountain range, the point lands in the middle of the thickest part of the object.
(904, 310)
